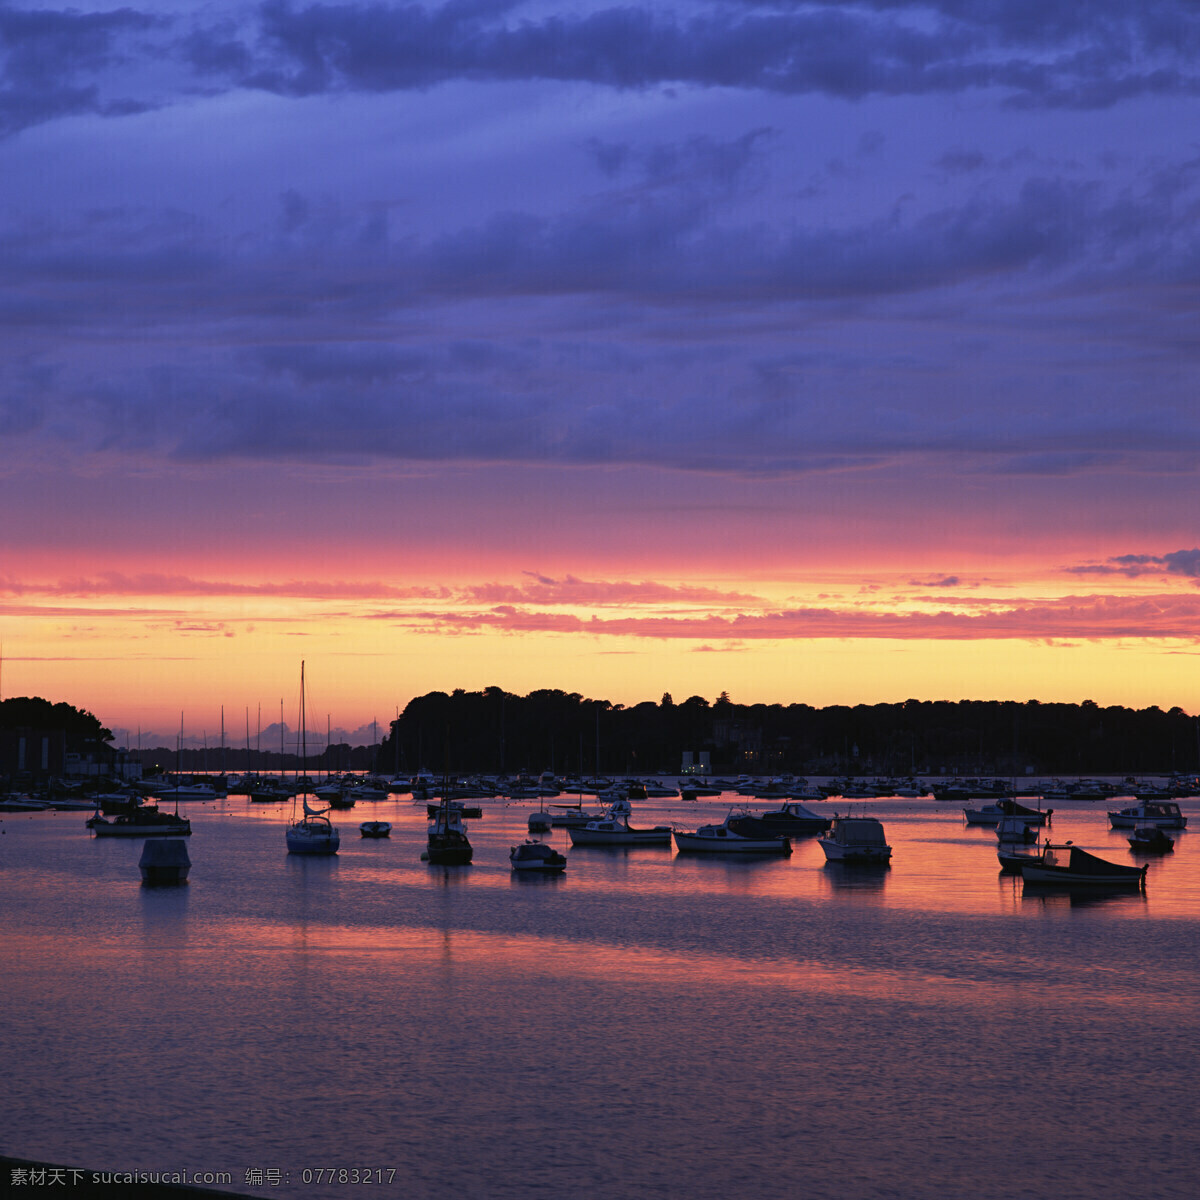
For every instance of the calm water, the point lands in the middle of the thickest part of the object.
(646, 1025)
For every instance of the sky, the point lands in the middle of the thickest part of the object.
(811, 352)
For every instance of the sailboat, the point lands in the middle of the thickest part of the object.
(313, 833)
(448, 844)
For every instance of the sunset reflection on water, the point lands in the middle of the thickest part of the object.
(685, 1006)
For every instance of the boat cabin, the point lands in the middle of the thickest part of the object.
(858, 831)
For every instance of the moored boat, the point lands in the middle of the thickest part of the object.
(991, 814)
(537, 858)
(1013, 859)
(447, 843)
(1164, 814)
(615, 830)
(856, 840)
(1016, 829)
(374, 829)
(145, 821)
(1151, 839)
(794, 820)
(164, 863)
(1069, 864)
(724, 839)
(21, 804)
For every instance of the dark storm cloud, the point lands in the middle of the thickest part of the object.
(1065, 55)
(60, 63)
(49, 62)
(316, 337)
(1178, 562)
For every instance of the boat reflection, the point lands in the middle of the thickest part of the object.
(1057, 896)
(521, 878)
(856, 877)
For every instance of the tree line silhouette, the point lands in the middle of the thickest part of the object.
(495, 730)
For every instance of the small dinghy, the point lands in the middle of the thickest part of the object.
(375, 829)
(537, 858)
(1151, 839)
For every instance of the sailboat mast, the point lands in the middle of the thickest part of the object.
(303, 726)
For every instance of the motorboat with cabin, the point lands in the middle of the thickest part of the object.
(725, 839)
(1151, 839)
(447, 844)
(1016, 829)
(991, 814)
(615, 830)
(164, 863)
(536, 858)
(142, 821)
(794, 820)
(856, 840)
(1164, 814)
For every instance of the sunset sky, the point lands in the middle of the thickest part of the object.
(817, 352)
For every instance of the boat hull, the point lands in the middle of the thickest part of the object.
(102, 828)
(1072, 866)
(301, 842)
(449, 856)
(619, 837)
(1042, 874)
(836, 852)
(695, 843)
(1161, 816)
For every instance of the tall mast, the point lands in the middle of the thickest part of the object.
(303, 724)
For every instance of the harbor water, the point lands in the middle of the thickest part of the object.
(649, 1024)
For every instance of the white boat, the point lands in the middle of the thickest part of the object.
(195, 790)
(1164, 814)
(572, 816)
(313, 833)
(21, 804)
(722, 839)
(654, 790)
(856, 840)
(537, 858)
(615, 830)
(1015, 828)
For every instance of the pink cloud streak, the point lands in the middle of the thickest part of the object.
(1077, 617)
